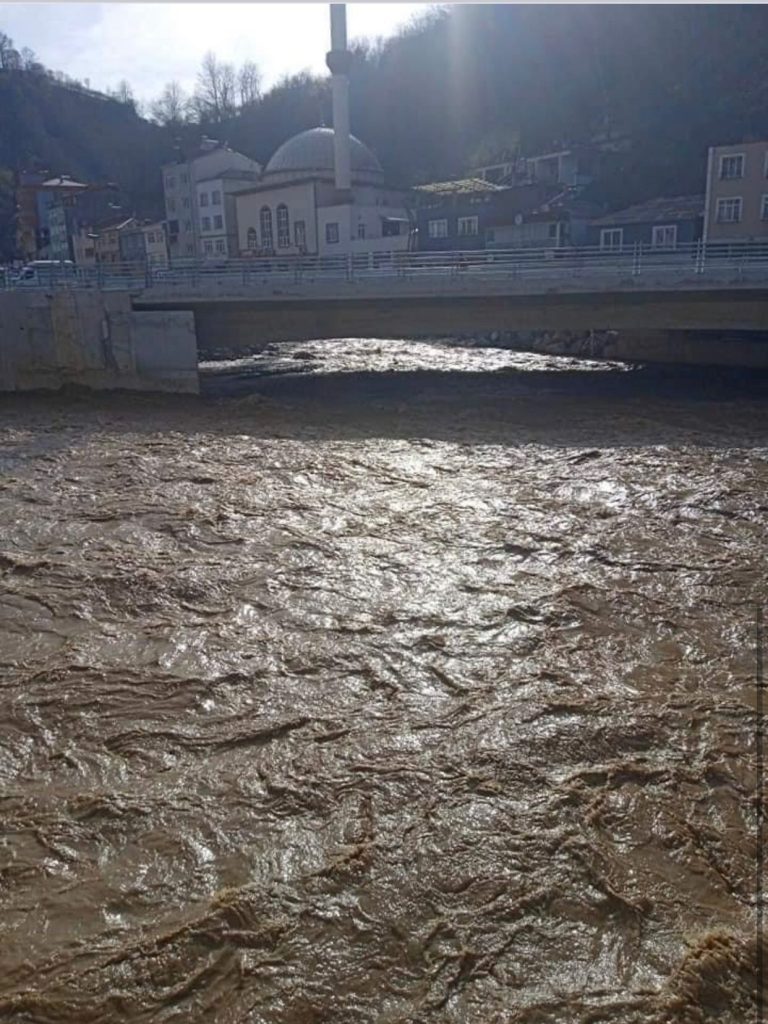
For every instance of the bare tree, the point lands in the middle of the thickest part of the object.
(214, 97)
(170, 108)
(228, 90)
(249, 83)
(124, 93)
(6, 50)
(29, 59)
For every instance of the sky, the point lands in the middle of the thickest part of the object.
(152, 43)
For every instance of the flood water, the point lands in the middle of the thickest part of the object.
(383, 683)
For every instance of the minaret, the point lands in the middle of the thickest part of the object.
(338, 60)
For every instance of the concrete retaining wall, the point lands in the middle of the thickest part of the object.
(692, 348)
(93, 339)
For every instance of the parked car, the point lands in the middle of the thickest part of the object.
(40, 273)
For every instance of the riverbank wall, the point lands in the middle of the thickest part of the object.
(697, 348)
(93, 339)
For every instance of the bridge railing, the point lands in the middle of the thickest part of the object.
(746, 261)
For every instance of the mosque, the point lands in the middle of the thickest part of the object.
(323, 191)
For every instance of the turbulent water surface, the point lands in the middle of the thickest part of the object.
(397, 684)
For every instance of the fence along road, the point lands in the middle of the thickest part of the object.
(486, 271)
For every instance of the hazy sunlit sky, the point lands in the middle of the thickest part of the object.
(150, 44)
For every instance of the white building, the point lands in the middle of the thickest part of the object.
(155, 244)
(180, 181)
(217, 213)
(298, 208)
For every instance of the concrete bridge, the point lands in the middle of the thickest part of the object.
(669, 305)
(690, 288)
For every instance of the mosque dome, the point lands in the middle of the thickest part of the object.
(310, 153)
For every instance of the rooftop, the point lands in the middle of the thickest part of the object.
(461, 186)
(63, 182)
(657, 210)
(232, 174)
(312, 153)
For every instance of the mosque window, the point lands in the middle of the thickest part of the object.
(283, 227)
(361, 229)
(332, 232)
(300, 234)
(265, 218)
(253, 241)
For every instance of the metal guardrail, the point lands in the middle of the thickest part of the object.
(746, 262)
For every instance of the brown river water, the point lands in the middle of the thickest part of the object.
(383, 683)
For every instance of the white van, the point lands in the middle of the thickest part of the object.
(46, 272)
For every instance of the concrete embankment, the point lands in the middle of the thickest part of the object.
(691, 348)
(93, 339)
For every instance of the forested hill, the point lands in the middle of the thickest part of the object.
(675, 78)
(455, 87)
(45, 124)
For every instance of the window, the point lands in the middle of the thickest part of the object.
(611, 238)
(206, 223)
(467, 225)
(171, 206)
(187, 225)
(300, 234)
(732, 166)
(203, 198)
(764, 208)
(218, 221)
(208, 247)
(215, 198)
(437, 228)
(265, 219)
(185, 202)
(151, 237)
(170, 181)
(252, 239)
(283, 227)
(729, 210)
(184, 179)
(332, 232)
(552, 230)
(220, 247)
(173, 227)
(390, 227)
(664, 236)
(361, 229)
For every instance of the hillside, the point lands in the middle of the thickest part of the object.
(674, 79)
(44, 124)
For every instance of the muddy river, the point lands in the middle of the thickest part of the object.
(383, 683)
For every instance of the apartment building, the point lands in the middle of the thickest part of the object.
(217, 211)
(180, 181)
(736, 207)
(144, 242)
